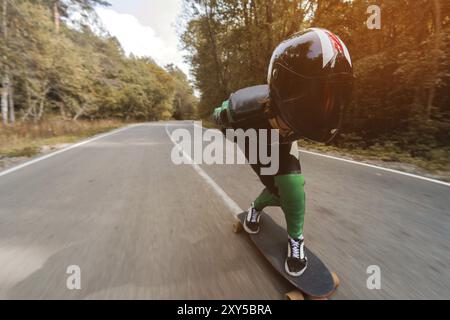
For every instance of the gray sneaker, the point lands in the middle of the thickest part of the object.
(296, 261)
(251, 223)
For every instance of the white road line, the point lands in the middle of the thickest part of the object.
(233, 206)
(28, 163)
(375, 167)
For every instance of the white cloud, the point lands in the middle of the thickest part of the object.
(141, 40)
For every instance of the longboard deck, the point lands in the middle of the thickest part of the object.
(316, 281)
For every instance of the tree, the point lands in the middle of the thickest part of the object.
(402, 70)
(61, 8)
(5, 79)
(79, 73)
(230, 42)
(184, 101)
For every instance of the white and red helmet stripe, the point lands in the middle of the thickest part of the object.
(327, 41)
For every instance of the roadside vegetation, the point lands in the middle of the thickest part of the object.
(433, 161)
(64, 78)
(29, 139)
(400, 109)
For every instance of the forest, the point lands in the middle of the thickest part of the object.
(401, 92)
(56, 59)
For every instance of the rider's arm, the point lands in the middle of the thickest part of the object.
(245, 106)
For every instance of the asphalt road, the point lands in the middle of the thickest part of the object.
(141, 227)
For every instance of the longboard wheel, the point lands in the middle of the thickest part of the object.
(335, 279)
(295, 295)
(237, 227)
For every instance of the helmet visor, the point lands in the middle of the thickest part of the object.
(287, 84)
(313, 107)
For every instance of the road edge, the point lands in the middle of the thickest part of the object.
(73, 146)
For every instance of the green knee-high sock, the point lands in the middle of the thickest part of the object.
(266, 199)
(292, 198)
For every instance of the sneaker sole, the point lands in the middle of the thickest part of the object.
(250, 231)
(293, 274)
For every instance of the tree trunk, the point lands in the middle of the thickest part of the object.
(437, 45)
(40, 113)
(248, 27)
(12, 115)
(28, 101)
(42, 99)
(33, 111)
(255, 12)
(4, 102)
(245, 12)
(269, 21)
(56, 15)
(284, 32)
(5, 80)
(78, 114)
(213, 40)
(62, 110)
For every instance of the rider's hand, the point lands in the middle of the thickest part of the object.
(216, 116)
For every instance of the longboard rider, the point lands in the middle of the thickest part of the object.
(310, 78)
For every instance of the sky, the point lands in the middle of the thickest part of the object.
(146, 28)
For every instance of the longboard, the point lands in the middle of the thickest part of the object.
(317, 282)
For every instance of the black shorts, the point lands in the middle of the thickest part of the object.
(288, 163)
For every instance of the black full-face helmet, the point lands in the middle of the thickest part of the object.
(310, 80)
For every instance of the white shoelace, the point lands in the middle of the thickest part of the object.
(295, 248)
(253, 215)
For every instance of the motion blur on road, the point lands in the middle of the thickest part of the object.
(140, 227)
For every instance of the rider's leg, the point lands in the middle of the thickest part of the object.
(290, 185)
(266, 199)
(292, 198)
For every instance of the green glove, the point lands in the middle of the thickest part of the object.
(220, 114)
(216, 115)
